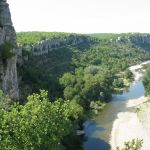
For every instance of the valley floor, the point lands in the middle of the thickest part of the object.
(127, 126)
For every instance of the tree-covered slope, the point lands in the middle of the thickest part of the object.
(80, 73)
(88, 64)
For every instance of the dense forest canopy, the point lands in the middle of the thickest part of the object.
(79, 80)
(108, 36)
(146, 79)
(37, 125)
(31, 38)
(45, 71)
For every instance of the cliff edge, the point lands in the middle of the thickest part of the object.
(8, 58)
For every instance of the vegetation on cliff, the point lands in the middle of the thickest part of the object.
(85, 64)
(79, 78)
(31, 38)
(6, 50)
(146, 80)
(134, 144)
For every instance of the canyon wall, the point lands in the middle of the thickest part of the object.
(8, 58)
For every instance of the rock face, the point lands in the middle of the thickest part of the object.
(8, 72)
(136, 39)
(44, 47)
(143, 38)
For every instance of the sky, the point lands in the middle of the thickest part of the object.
(81, 16)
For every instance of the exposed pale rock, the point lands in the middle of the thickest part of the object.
(45, 46)
(8, 72)
(137, 39)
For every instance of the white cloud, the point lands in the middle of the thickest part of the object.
(81, 15)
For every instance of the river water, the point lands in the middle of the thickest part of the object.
(98, 131)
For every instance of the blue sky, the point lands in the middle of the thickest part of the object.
(81, 16)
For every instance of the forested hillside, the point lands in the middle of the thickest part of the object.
(80, 63)
(79, 73)
(65, 91)
(146, 80)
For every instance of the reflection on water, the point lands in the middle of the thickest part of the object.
(98, 130)
(136, 90)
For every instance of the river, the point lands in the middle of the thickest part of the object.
(98, 130)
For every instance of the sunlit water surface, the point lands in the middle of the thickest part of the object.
(98, 130)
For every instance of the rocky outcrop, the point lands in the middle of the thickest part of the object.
(46, 46)
(8, 72)
(135, 38)
(141, 38)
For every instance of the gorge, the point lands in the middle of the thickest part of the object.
(51, 83)
(109, 131)
(8, 70)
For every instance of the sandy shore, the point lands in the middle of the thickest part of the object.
(137, 75)
(127, 126)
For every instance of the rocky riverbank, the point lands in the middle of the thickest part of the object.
(127, 125)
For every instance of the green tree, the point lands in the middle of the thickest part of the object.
(86, 85)
(134, 144)
(38, 124)
(128, 74)
(6, 50)
(5, 101)
(146, 80)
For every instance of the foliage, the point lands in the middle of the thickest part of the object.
(6, 50)
(116, 56)
(92, 69)
(85, 88)
(31, 38)
(108, 36)
(128, 74)
(44, 72)
(118, 83)
(38, 124)
(97, 106)
(114, 36)
(146, 80)
(86, 74)
(135, 144)
(5, 101)
(73, 141)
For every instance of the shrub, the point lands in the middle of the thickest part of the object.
(5, 101)
(5, 50)
(1, 25)
(135, 144)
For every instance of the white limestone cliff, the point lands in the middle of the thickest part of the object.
(8, 71)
